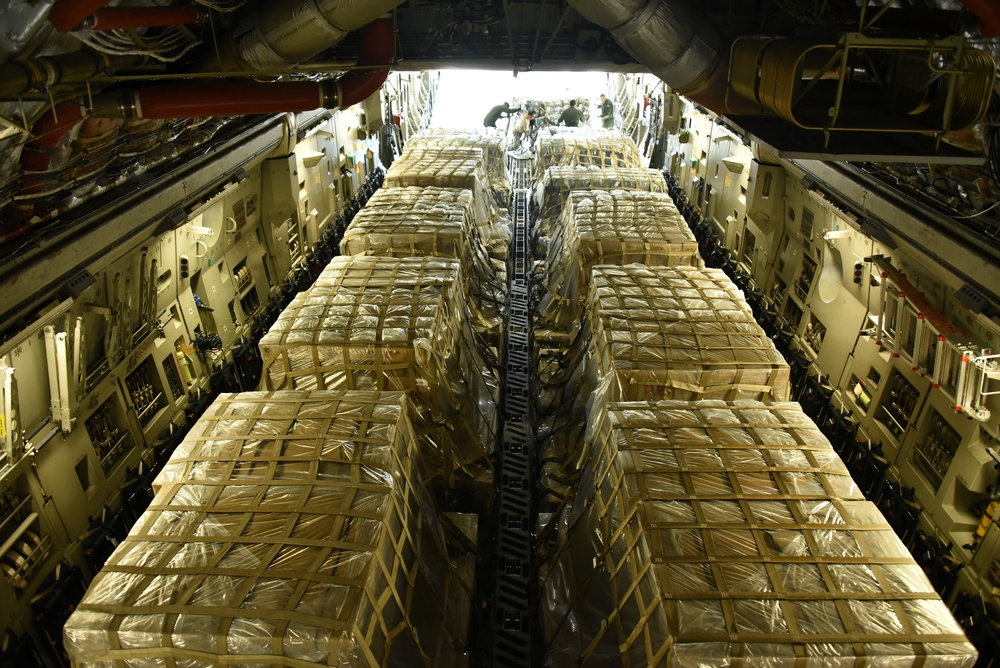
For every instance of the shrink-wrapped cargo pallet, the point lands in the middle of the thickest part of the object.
(454, 167)
(492, 142)
(732, 534)
(288, 529)
(430, 222)
(556, 183)
(613, 227)
(679, 333)
(584, 149)
(377, 323)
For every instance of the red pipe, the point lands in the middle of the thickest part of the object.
(247, 97)
(50, 130)
(217, 99)
(67, 15)
(199, 100)
(379, 48)
(988, 12)
(114, 18)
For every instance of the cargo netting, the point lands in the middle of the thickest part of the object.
(730, 533)
(615, 227)
(288, 529)
(556, 183)
(679, 333)
(376, 323)
(586, 148)
(431, 222)
(653, 333)
(492, 142)
(455, 167)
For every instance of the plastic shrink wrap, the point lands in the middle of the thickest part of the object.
(655, 333)
(608, 148)
(556, 183)
(613, 227)
(679, 333)
(492, 142)
(377, 323)
(455, 167)
(288, 529)
(710, 533)
(431, 222)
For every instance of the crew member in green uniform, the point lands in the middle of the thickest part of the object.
(607, 112)
(571, 115)
(501, 110)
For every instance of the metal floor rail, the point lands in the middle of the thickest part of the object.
(514, 640)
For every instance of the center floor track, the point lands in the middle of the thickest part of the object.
(514, 615)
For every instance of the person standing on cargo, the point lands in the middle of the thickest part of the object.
(501, 110)
(571, 115)
(607, 112)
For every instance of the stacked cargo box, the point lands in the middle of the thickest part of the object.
(556, 184)
(430, 222)
(661, 333)
(492, 142)
(615, 227)
(288, 529)
(703, 527)
(679, 333)
(731, 533)
(393, 324)
(586, 148)
(455, 167)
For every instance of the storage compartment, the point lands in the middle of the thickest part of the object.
(145, 391)
(24, 546)
(934, 449)
(896, 405)
(109, 432)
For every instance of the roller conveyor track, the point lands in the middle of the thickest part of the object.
(514, 617)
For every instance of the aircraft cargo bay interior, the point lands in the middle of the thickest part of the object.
(499, 333)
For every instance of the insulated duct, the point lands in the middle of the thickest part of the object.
(249, 97)
(20, 76)
(70, 127)
(283, 34)
(671, 40)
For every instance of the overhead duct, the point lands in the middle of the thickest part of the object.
(20, 76)
(58, 130)
(283, 34)
(863, 83)
(672, 41)
(117, 18)
(249, 97)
